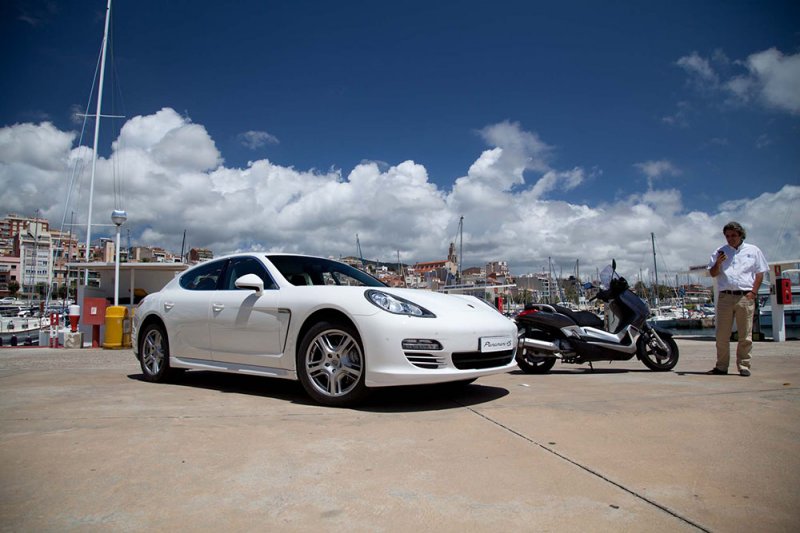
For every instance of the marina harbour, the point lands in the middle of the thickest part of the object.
(762, 324)
(764, 334)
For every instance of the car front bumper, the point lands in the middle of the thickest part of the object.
(460, 356)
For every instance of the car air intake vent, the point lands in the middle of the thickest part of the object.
(478, 360)
(422, 344)
(426, 360)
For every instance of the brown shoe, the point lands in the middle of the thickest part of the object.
(717, 372)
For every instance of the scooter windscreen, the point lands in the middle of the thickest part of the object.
(606, 275)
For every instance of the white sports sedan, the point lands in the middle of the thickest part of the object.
(333, 327)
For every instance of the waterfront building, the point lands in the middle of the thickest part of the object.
(439, 272)
(64, 249)
(541, 286)
(497, 267)
(9, 271)
(473, 276)
(32, 246)
(198, 255)
(12, 225)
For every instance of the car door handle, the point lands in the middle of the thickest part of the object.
(217, 307)
(168, 305)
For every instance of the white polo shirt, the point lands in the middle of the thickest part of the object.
(738, 271)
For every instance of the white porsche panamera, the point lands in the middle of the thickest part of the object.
(334, 328)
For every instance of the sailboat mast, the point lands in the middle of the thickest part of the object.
(655, 265)
(360, 254)
(96, 139)
(400, 268)
(183, 244)
(461, 247)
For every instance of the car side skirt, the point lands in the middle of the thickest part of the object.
(231, 368)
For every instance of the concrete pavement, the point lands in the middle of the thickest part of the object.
(86, 445)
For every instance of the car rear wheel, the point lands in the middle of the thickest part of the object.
(331, 365)
(154, 354)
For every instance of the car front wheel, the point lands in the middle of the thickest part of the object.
(331, 365)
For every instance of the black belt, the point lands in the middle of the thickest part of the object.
(737, 293)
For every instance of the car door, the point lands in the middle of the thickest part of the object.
(247, 328)
(187, 310)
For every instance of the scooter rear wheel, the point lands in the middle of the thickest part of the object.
(533, 364)
(656, 358)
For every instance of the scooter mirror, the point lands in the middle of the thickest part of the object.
(614, 265)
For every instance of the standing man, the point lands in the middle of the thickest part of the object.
(739, 269)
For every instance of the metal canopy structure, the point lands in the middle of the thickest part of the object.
(149, 277)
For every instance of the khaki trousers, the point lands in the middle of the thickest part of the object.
(740, 308)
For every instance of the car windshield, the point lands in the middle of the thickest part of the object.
(302, 270)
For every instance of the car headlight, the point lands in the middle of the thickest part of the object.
(396, 305)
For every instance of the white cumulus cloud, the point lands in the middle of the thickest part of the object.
(654, 170)
(174, 179)
(770, 78)
(256, 139)
(776, 79)
(699, 68)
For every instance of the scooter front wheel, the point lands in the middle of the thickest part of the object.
(654, 355)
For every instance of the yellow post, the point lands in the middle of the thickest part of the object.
(115, 317)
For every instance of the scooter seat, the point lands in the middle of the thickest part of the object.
(547, 319)
(582, 318)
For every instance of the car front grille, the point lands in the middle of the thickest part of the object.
(426, 360)
(479, 360)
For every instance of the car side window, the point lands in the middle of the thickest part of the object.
(240, 266)
(204, 277)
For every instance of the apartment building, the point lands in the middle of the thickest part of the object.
(9, 271)
(33, 246)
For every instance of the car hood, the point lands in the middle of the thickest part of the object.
(439, 303)
(442, 305)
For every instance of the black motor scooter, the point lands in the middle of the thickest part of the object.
(548, 333)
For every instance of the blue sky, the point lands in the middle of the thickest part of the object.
(619, 101)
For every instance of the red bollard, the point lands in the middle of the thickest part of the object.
(74, 317)
(55, 318)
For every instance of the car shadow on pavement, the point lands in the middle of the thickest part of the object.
(280, 389)
(582, 371)
(705, 373)
(437, 397)
(385, 399)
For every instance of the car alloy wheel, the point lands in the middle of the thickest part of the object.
(331, 364)
(154, 353)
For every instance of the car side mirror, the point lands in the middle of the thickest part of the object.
(250, 281)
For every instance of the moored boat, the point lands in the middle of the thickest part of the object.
(791, 317)
(22, 330)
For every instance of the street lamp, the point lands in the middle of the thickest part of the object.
(118, 217)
